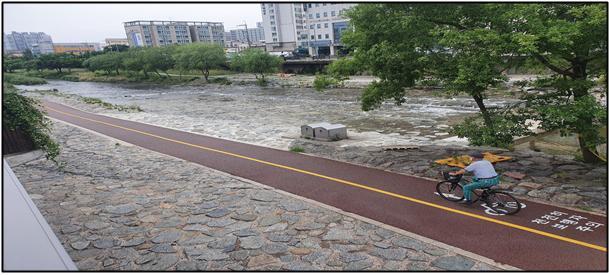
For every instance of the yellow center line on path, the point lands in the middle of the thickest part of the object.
(357, 185)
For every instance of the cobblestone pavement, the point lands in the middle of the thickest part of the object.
(115, 206)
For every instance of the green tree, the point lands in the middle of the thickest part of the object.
(200, 56)
(28, 55)
(109, 62)
(158, 59)
(571, 41)
(115, 48)
(134, 60)
(257, 62)
(10, 64)
(463, 46)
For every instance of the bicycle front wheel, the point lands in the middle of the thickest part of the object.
(503, 203)
(450, 191)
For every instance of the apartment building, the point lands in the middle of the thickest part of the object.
(159, 33)
(284, 25)
(316, 26)
(325, 24)
(255, 36)
(37, 42)
(207, 32)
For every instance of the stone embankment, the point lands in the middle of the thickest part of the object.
(119, 207)
(532, 175)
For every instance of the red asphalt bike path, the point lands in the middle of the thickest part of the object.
(539, 237)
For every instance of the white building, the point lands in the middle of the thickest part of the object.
(283, 25)
(37, 42)
(316, 26)
(325, 23)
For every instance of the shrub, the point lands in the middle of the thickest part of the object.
(323, 82)
(20, 112)
(220, 80)
(297, 149)
(505, 128)
(18, 79)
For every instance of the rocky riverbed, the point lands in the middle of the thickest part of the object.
(115, 206)
(272, 116)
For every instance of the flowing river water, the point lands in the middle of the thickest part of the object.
(273, 116)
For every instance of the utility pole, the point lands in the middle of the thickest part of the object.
(247, 34)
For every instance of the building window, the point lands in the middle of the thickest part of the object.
(326, 25)
(319, 26)
(309, 5)
(327, 36)
(310, 16)
(325, 14)
(333, 13)
(317, 15)
(317, 5)
(274, 39)
(312, 37)
(312, 27)
(272, 17)
(274, 29)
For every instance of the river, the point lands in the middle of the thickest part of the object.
(273, 116)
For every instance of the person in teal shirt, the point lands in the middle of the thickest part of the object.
(484, 175)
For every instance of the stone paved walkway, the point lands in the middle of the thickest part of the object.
(119, 207)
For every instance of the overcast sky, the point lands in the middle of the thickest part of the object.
(96, 22)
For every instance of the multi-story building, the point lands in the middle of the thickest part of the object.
(158, 33)
(316, 26)
(76, 48)
(283, 25)
(37, 42)
(117, 41)
(207, 32)
(254, 36)
(325, 24)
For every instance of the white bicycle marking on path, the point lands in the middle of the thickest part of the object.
(487, 209)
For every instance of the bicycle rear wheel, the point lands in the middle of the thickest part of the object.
(450, 191)
(503, 203)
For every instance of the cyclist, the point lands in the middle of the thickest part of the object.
(484, 176)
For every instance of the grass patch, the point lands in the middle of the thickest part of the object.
(297, 149)
(20, 79)
(110, 106)
(220, 80)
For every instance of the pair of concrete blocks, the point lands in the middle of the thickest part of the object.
(324, 131)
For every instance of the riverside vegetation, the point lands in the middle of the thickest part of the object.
(169, 65)
(468, 48)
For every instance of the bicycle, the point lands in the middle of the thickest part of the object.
(501, 202)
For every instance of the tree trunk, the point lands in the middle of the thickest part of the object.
(587, 155)
(117, 71)
(206, 75)
(485, 114)
(579, 70)
(157, 73)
